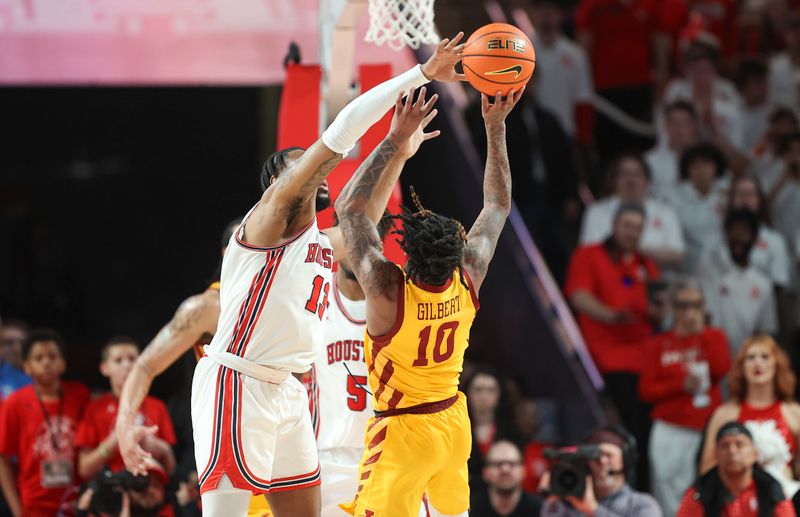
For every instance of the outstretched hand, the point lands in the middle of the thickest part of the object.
(410, 119)
(496, 113)
(441, 65)
(130, 447)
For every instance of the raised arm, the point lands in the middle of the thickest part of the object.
(195, 317)
(376, 204)
(482, 237)
(281, 208)
(377, 275)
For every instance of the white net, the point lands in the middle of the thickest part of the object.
(401, 22)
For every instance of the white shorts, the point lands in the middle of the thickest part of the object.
(256, 433)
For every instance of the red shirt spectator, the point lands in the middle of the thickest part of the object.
(101, 415)
(43, 443)
(621, 285)
(535, 465)
(620, 35)
(666, 366)
(719, 17)
(744, 505)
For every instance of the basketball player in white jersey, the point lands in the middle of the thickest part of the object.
(249, 412)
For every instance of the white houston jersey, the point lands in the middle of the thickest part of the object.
(340, 406)
(273, 300)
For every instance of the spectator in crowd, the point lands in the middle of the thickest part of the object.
(543, 172)
(607, 492)
(762, 397)
(488, 426)
(784, 67)
(13, 334)
(682, 373)
(737, 486)
(782, 123)
(699, 200)
(503, 496)
(620, 36)
(662, 238)
(739, 297)
(682, 131)
(716, 100)
(526, 421)
(607, 284)
(754, 87)
(770, 253)
(783, 190)
(564, 80)
(96, 439)
(37, 425)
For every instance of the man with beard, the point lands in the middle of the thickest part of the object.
(503, 473)
(739, 297)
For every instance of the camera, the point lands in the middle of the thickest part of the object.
(570, 468)
(108, 487)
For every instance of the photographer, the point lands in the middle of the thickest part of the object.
(121, 494)
(606, 492)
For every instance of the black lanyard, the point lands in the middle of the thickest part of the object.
(53, 431)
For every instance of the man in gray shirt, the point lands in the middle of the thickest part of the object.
(607, 492)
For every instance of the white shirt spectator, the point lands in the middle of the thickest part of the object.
(755, 121)
(662, 228)
(740, 301)
(701, 218)
(727, 106)
(785, 209)
(770, 255)
(784, 81)
(563, 79)
(664, 173)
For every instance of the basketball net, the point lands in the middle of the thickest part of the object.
(401, 22)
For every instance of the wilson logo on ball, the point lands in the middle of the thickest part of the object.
(516, 70)
(507, 44)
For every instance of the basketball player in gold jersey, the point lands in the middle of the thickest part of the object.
(418, 323)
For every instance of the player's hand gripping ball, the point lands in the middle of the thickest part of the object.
(498, 57)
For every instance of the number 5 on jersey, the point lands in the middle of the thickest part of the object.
(313, 304)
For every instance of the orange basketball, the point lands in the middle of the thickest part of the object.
(498, 57)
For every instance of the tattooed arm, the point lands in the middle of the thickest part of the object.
(391, 165)
(288, 203)
(377, 275)
(482, 237)
(196, 316)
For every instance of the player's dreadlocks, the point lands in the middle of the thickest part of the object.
(433, 243)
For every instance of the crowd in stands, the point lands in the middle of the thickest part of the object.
(677, 203)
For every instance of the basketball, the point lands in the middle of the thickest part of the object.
(498, 57)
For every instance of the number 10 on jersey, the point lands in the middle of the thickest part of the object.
(439, 355)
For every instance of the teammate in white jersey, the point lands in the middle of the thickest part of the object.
(251, 430)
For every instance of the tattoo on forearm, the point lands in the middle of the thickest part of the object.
(361, 238)
(370, 172)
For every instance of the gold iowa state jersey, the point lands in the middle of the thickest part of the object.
(420, 359)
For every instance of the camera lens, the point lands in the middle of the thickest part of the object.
(568, 479)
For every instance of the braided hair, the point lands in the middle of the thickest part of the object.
(274, 165)
(433, 243)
